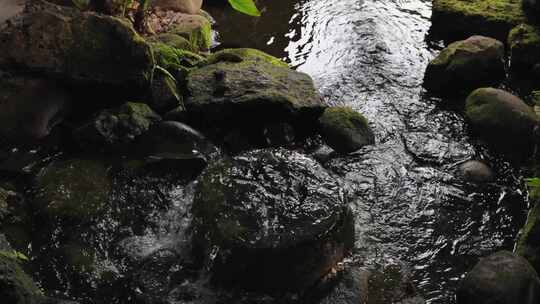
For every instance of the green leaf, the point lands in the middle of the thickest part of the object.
(533, 182)
(247, 7)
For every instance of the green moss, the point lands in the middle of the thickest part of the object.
(108, 48)
(463, 18)
(15, 285)
(174, 41)
(245, 54)
(199, 33)
(524, 42)
(75, 189)
(171, 58)
(343, 118)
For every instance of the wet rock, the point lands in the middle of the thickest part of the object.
(79, 46)
(245, 55)
(323, 154)
(177, 62)
(196, 29)
(183, 6)
(10, 8)
(175, 41)
(178, 114)
(502, 277)
(116, 128)
(345, 130)
(466, 65)
(476, 172)
(373, 286)
(458, 19)
(30, 107)
(75, 189)
(16, 286)
(165, 93)
(274, 219)
(176, 146)
(524, 42)
(249, 94)
(502, 119)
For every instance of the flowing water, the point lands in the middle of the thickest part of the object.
(409, 203)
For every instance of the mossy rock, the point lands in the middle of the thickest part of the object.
(16, 287)
(277, 218)
(345, 130)
(502, 277)
(502, 119)
(249, 93)
(524, 42)
(76, 189)
(78, 46)
(528, 244)
(174, 41)
(178, 62)
(116, 129)
(245, 55)
(196, 29)
(466, 65)
(458, 19)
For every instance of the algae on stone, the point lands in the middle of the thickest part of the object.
(244, 54)
(79, 46)
(75, 189)
(459, 19)
(345, 130)
(524, 42)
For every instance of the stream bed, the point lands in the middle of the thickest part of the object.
(410, 205)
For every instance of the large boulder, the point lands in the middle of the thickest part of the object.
(345, 130)
(502, 119)
(466, 65)
(270, 220)
(501, 278)
(250, 90)
(30, 107)
(458, 19)
(115, 129)
(475, 171)
(78, 46)
(524, 42)
(528, 244)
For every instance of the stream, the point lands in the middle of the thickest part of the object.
(408, 202)
(411, 208)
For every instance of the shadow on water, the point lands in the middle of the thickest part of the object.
(409, 202)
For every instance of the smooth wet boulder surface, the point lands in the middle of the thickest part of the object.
(240, 90)
(501, 278)
(466, 65)
(116, 128)
(30, 107)
(502, 119)
(274, 219)
(345, 130)
(476, 172)
(458, 19)
(78, 46)
(524, 42)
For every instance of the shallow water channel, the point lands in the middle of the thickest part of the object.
(410, 205)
